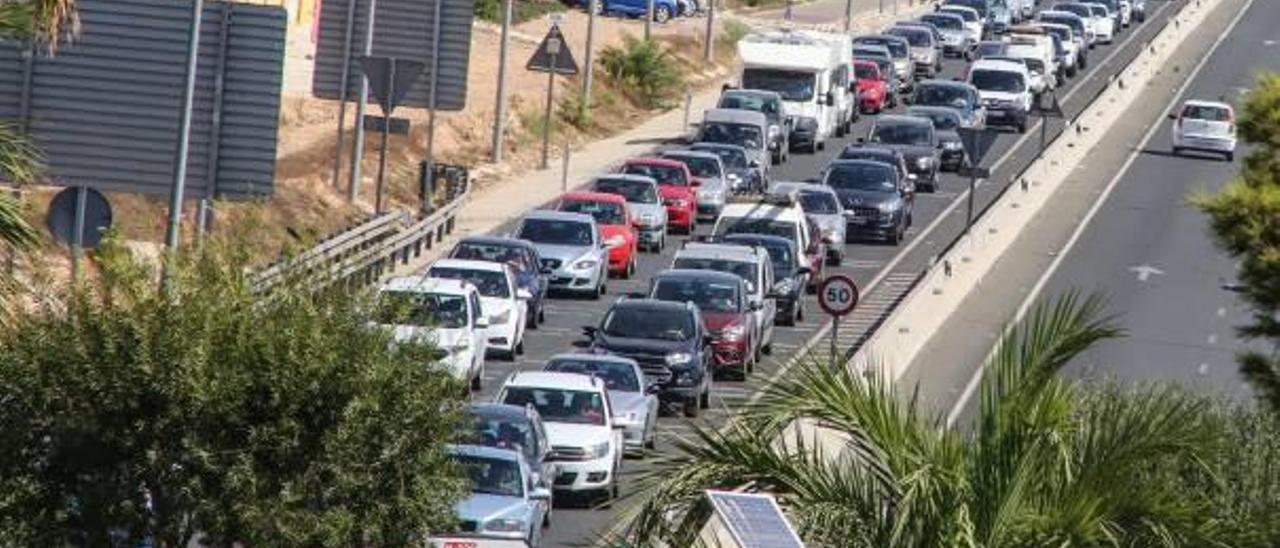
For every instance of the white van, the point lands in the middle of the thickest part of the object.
(810, 74)
(1037, 50)
(1005, 89)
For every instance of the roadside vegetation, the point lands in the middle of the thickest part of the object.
(1045, 461)
(1245, 220)
(521, 10)
(132, 414)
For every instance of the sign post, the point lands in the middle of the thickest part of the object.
(838, 295)
(551, 57)
(976, 144)
(389, 80)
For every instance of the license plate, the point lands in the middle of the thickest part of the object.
(460, 544)
(857, 220)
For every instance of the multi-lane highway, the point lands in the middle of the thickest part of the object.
(883, 271)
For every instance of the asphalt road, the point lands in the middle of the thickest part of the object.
(883, 271)
(1150, 252)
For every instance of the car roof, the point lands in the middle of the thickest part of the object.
(784, 187)
(652, 304)
(902, 119)
(752, 93)
(423, 284)
(999, 65)
(859, 161)
(944, 15)
(735, 116)
(496, 240)
(484, 451)
(710, 146)
(758, 209)
(718, 251)
(589, 196)
(592, 357)
(686, 153)
(468, 264)
(766, 238)
(871, 149)
(625, 177)
(693, 273)
(868, 62)
(1203, 103)
(552, 215)
(881, 37)
(945, 7)
(554, 379)
(945, 84)
(655, 161)
(498, 411)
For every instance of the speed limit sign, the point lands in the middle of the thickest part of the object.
(838, 295)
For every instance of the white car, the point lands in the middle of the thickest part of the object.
(634, 399)
(1005, 89)
(444, 313)
(502, 299)
(586, 441)
(1205, 126)
(972, 19)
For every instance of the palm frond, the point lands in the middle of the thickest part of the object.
(45, 22)
(14, 229)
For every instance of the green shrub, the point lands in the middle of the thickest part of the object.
(733, 32)
(644, 72)
(522, 10)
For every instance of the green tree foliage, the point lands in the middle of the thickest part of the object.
(644, 72)
(1245, 220)
(1047, 462)
(284, 421)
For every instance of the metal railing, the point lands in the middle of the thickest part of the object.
(364, 253)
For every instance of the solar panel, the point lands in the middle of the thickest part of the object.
(755, 521)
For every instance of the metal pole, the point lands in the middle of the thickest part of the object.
(553, 51)
(184, 130)
(202, 220)
(357, 155)
(564, 170)
(787, 14)
(895, 7)
(848, 14)
(77, 237)
(342, 93)
(431, 102)
(590, 58)
(708, 49)
(500, 109)
(835, 330)
(386, 132)
(648, 21)
(881, 6)
(973, 182)
(688, 105)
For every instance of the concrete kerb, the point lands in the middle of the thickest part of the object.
(926, 309)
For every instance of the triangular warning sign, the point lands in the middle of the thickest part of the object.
(387, 87)
(559, 62)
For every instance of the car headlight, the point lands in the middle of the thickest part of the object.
(630, 417)
(887, 207)
(678, 358)
(924, 163)
(952, 145)
(500, 318)
(677, 202)
(649, 219)
(684, 378)
(504, 525)
(615, 241)
(785, 285)
(733, 333)
(774, 131)
(585, 264)
(829, 235)
(599, 450)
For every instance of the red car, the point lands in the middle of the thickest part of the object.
(616, 226)
(675, 185)
(873, 92)
(727, 314)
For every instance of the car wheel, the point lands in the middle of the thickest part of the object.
(477, 381)
(691, 407)
(896, 237)
(767, 348)
(1022, 126)
(1231, 156)
(520, 347)
(542, 313)
(651, 442)
(1177, 151)
(704, 400)
(662, 14)
(799, 315)
(614, 490)
(631, 267)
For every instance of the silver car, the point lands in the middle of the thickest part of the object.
(924, 50)
(574, 255)
(822, 205)
(709, 177)
(634, 398)
(505, 502)
(641, 194)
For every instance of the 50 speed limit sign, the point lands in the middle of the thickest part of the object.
(838, 295)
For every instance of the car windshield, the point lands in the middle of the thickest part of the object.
(649, 323)
(1062, 34)
(997, 80)
(635, 192)
(918, 38)
(1207, 113)
(978, 5)
(488, 282)
(503, 433)
(744, 270)
(942, 22)
(1078, 9)
(743, 135)
(988, 49)
(1076, 26)
(421, 309)
(559, 405)
(518, 258)
(756, 225)
(858, 153)
(820, 203)
(617, 376)
(862, 176)
(1097, 11)
(896, 48)
(871, 54)
(605, 213)
(791, 85)
(492, 476)
(866, 71)
(555, 232)
(902, 134)
(707, 295)
(699, 166)
(942, 119)
(941, 95)
(743, 101)
(967, 15)
(664, 175)
(731, 158)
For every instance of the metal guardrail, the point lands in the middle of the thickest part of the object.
(362, 254)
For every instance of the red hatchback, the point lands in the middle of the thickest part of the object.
(617, 228)
(675, 185)
(873, 93)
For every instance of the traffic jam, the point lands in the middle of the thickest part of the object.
(595, 326)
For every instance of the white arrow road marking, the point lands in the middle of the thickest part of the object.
(1145, 271)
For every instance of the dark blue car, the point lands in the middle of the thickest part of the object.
(524, 260)
(663, 10)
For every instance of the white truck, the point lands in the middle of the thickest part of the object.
(811, 72)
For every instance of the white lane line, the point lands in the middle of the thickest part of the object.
(976, 380)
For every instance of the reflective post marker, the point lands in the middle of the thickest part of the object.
(553, 48)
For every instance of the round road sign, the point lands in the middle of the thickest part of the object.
(838, 295)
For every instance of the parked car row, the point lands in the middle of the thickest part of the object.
(663, 10)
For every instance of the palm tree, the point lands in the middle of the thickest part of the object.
(1045, 463)
(44, 23)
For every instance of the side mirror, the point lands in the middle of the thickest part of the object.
(861, 140)
(696, 182)
(523, 294)
(774, 294)
(1173, 116)
(540, 493)
(831, 99)
(652, 388)
(804, 270)
(755, 306)
(546, 270)
(482, 322)
(906, 100)
(617, 426)
(589, 331)
(754, 163)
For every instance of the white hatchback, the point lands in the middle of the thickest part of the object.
(444, 313)
(502, 298)
(1205, 126)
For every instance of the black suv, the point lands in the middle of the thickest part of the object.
(669, 342)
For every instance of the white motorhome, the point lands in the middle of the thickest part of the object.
(811, 74)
